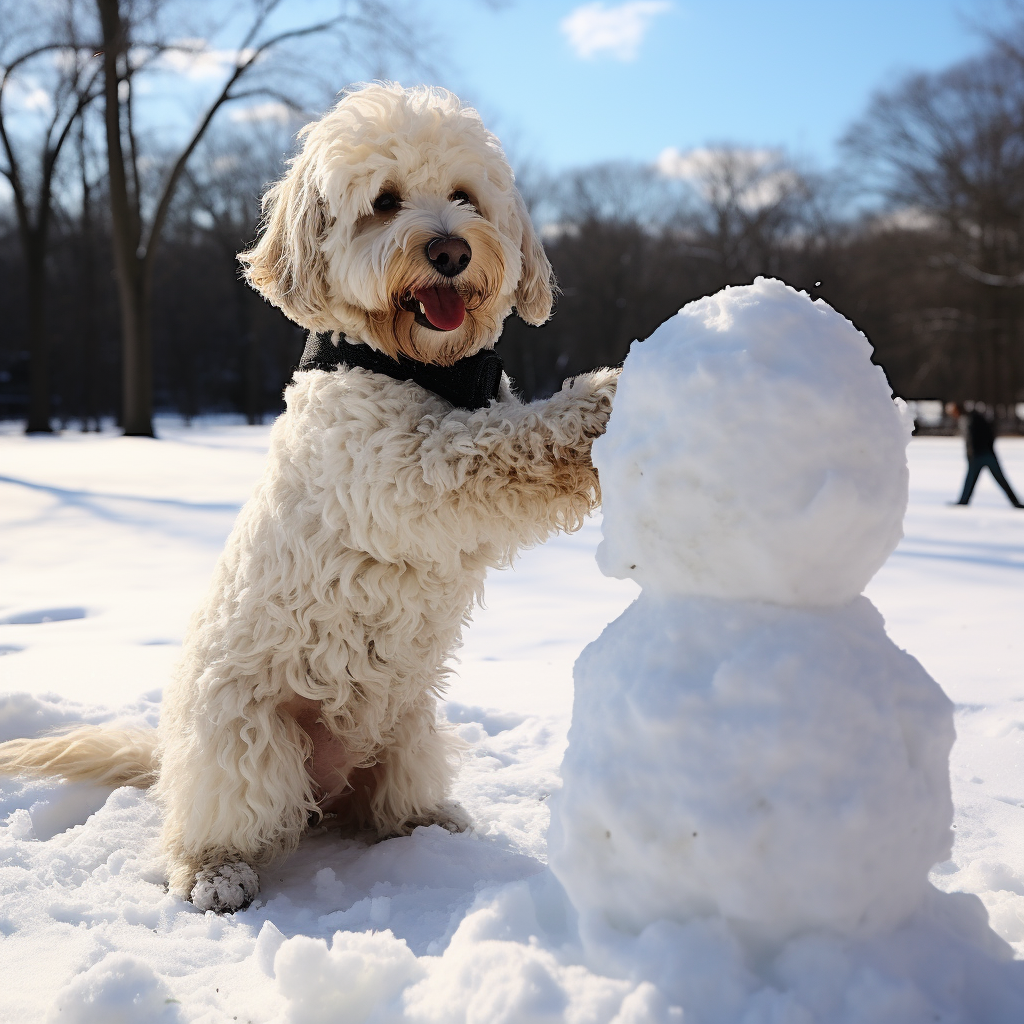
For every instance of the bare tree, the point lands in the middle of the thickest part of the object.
(87, 258)
(751, 204)
(138, 220)
(946, 151)
(619, 192)
(47, 53)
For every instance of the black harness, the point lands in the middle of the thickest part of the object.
(470, 383)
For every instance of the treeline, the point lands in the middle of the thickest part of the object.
(216, 345)
(918, 241)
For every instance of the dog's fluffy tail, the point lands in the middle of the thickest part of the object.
(111, 757)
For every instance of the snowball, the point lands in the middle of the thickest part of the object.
(357, 979)
(753, 452)
(118, 990)
(784, 768)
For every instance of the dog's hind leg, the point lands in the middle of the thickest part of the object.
(413, 775)
(235, 795)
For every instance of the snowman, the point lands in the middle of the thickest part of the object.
(747, 744)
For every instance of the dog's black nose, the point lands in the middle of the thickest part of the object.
(449, 255)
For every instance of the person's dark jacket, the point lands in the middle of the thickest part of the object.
(981, 438)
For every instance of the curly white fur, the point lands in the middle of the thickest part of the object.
(309, 676)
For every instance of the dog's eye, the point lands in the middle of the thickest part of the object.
(386, 202)
(458, 196)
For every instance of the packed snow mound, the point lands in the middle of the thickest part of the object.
(754, 452)
(786, 769)
(118, 990)
(747, 744)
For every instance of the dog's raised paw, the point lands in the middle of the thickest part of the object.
(226, 887)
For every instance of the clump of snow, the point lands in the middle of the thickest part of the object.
(358, 975)
(118, 990)
(786, 769)
(754, 452)
(944, 964)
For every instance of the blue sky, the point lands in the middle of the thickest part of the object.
(567, 83)
(790, 73)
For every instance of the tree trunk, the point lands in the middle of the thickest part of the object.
(130, 265)
(39, 354)
(89, 290)
(136, 356)
(252, 379)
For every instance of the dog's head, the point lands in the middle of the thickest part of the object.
(399, 224)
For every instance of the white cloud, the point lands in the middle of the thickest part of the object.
(618, 31)
(203, 219)
(196, 60)
(36, 99)
(28, 95)
(753, 178)
(694, 164)
(272, 110)
(226, 163)
(907, 218)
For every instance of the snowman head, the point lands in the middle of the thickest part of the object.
(754, 453)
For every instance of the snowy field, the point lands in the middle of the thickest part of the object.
(106, 546)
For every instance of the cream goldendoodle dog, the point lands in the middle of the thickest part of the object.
(403, 467)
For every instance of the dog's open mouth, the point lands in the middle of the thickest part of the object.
(439, 309)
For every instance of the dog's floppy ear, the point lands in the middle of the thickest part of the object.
(287, 265)
(535, 290)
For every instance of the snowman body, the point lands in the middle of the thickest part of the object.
(746, 741)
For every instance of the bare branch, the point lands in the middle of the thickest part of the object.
(968, 270)
(225, 96)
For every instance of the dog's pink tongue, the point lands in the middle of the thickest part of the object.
(443, 307)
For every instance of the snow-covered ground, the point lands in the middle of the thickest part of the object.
(106, 544)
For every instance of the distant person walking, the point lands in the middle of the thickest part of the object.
(980, 439)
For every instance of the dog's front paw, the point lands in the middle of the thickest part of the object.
(225, 888)
(592, 394)
(451, 816)
(601, 382)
